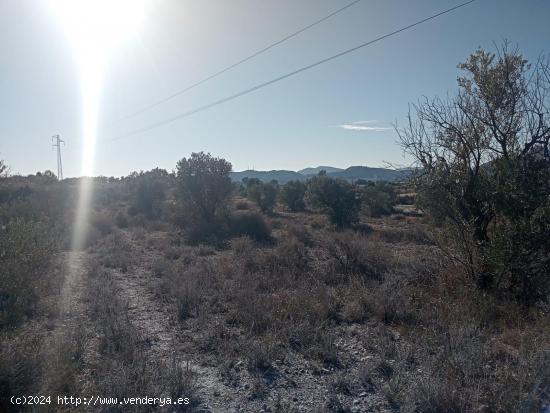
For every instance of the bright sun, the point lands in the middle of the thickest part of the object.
(95, 28)
(99, 21)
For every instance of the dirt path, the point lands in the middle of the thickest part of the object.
(156, 324)
(300, 388)
(71, 345)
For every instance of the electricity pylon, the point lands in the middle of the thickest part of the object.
(58, 141)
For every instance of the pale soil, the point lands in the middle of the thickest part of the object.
(294, 385)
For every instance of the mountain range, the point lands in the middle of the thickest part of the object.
(352, 173)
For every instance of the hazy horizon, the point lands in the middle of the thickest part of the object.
(11, 172)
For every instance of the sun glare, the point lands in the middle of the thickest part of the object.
(94, 28)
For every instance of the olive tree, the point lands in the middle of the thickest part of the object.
(336, 197)
(483, 169)
(203, 188)
(292, 195)
(264, 194)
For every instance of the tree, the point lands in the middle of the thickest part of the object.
(484, 169)
(148, 192)
(336, 197)
(264, 194)
(3, 169)
(204, 185)
(292, 195)
(378, 198)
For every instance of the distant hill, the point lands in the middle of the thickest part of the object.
(350, 174)
(371, 174)
(280, 176)
(315, 171)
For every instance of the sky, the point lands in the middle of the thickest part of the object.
(338, 114)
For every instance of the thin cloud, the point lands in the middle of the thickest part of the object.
(365, 126)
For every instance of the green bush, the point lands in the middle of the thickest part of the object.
(264, 195)
(378, 199)
(292, 195)
(148, 191)
(203, 189)
(336, 197)
(249, 224)
(204, 184)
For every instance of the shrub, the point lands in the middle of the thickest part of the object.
(292, 195)
(378, 199)
(352, 254)
(204, 184)
(103, 222)
(26, 248)
(241, 246)
(250, 224)
(203, 189)
(335, 197)
(264, 194)
(148, 192)
(201, 231)
(241, 205)
(121, 220)
(20, 368)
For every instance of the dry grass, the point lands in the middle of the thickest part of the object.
(123, 369)
(290, 288)
(294, 296)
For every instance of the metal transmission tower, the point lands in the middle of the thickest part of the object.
(57, 144)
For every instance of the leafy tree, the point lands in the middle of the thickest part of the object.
(264, 194)
(46, 177)
(378, 198)
(249, 182)
(204, 185)
(292, 195)
(149, 192)
(334, 196)
(484, 170)
(3, 169)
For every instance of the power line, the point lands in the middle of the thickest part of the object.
(246, 59)
(290, 74)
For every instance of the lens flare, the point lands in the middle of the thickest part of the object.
(94, 29)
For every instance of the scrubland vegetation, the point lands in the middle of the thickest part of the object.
(424, 296)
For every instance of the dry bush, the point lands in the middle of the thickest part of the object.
(63, 361)
(103, 222)
(351, 254)
(301, 233)
(121, 219)
(187, 285)
(118, 336)
(462, 354)
(251, 224)
(161, 267)
(20, 369)
(123, 370)
(412, 234)
(242, 205)
(26, 249)
(455, 350)
(115, 252)
(241, 246)
(173, 252)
